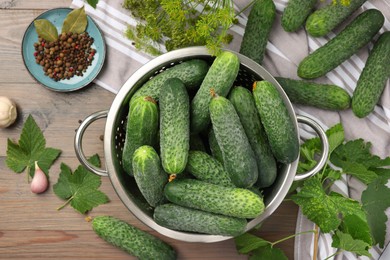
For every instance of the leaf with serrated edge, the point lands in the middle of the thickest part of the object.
(376, 200)
(357, 227)
(323, 209)
(81, 187)
(76, 21)
(346, 242)
(30, 148)
(46, 30)
(246, 243)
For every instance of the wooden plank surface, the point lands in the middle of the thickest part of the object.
(30, 225)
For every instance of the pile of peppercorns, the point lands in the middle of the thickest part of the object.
(69, 55)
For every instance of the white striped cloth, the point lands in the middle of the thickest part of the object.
(284, 52)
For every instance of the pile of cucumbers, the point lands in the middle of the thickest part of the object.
(202, 149)
(319, 22)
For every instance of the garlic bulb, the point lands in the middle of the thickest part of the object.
(8, 112)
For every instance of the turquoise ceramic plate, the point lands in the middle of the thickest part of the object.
(57, 16)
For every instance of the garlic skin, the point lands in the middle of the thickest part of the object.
(39, 183)
(8, 112)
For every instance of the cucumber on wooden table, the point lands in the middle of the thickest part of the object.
(186, 219)
(295, 14)
(174, 126)
(220, 77)
(257, 29)
(131, 239)
(278, 125)
(325, 19)
(234, 202)
(239, 160)
(356, 35)
(325, 96)
(373, 78)
(244, 103)
(141, 128)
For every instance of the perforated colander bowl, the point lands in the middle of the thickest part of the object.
(114, 137)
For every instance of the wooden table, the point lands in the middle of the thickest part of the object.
(30, 225)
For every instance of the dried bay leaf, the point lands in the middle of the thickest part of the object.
(75, 22)
(46, 30)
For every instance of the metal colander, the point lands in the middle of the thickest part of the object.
(114, 137)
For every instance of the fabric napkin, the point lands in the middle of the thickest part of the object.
(284, 52)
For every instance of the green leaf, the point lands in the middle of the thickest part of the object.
(93, 3)
(268, 252)
(376, 200)
(30, 148)
(357, 227)
(46, 30)
(80, 188)
(347, 242)
(356, 159)
(246, 243)
(325, 210)
(75, 22)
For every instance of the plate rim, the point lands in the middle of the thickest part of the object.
(100, 66)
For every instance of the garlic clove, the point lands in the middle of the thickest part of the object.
(8, 112)
(39, 183)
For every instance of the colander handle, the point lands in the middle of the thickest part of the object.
(78, 144)
(325, 147)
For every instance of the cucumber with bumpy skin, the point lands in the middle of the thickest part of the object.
(149, 175)
(325, 19)
(186, 219)
(356, 35)
(141, 128)
(243, 102)
(220, 77)
(279, 126)
(325, 96)
(174, 126)
(372, 80)
(206, 168)
(214, 146)
(257, 29)
(295, 14)
(131, 239)
(239, 160)
(190, 72)
(234, 202)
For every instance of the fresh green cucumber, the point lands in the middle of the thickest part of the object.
(239, 160)
(220, 77)
(214, 146)
(372, 80)
(141, 128)
(278, 125)
(356, 35)
(234, 202)
(191, 72)
(325, 19)
(257, 29)
(131, 239)
(206, 168)
(295, 14)
(174, 126)
(243, 102)
(149, 175)
(325, 96)
(186, 219)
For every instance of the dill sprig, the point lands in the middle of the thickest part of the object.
(173, 24)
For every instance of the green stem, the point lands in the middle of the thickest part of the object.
(66, 203)
(246, 7)
(329, 257)
(292, 236)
